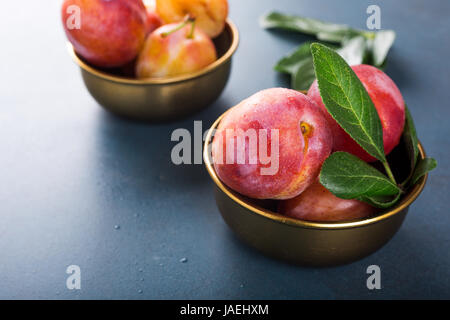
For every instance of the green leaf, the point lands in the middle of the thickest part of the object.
(304, 77)
(353, 50)
(348, 177)
(299, 65)
(347, 100)
(322, 30)
(410, 138)
(419, 167)
(380, 46)
(375, 48)
(381, 202)
(423, 167)
(294, 60)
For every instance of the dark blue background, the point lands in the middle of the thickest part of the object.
(70, 172)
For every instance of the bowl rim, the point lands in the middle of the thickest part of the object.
(167, 80)
(238, 198)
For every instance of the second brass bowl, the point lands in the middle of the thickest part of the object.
(161, 99)
(304, 242)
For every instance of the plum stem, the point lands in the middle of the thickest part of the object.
(188, 19)
(191, 34)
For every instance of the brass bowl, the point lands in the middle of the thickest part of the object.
(161, 99)
(304, 242)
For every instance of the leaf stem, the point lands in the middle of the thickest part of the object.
(389, 172)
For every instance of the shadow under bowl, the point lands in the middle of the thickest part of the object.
(161, 99)
(302, 242)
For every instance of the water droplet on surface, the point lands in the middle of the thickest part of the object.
(242, 285)
(140, 270)
(117, 227)
(139, 291)
(183, 260)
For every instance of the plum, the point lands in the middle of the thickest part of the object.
(210, 14)
(271, 145)
(111, 33)
(389, 104)
(318, 204)
(173, 50)
(153, 19)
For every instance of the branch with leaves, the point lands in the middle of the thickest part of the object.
(354, 45)
(347, 101)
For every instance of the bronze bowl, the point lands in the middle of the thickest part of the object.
(301, 242)
(161, 99)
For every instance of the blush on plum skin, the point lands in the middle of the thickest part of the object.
(300, 155)
(175, 54)
(389, 104)
(318, 204)
(111, 33)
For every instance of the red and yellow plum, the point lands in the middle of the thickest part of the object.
(110, 34)
(169, 53)
(209, 14)
(318, 204)
(285, 159)
(387, 100)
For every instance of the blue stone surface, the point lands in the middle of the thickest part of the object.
(79, 186)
